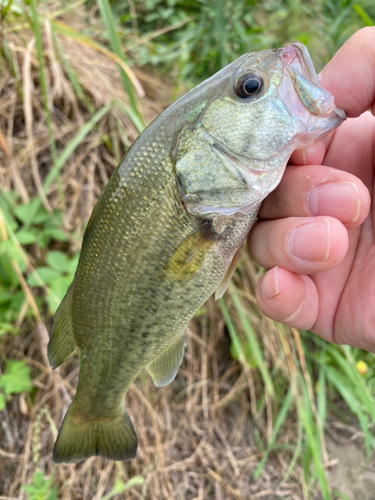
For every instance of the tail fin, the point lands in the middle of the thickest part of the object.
(80, 437)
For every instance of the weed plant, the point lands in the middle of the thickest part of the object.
(72, 101)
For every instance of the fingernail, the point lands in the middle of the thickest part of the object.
(270, 284)
(311, 241)
(336, 199)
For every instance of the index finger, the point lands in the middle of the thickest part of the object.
(350, 74)
(350, 77)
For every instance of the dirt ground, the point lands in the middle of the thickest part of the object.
(350, 474)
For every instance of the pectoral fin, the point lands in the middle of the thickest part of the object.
(188, 258)
(221, 289)
(165, 367)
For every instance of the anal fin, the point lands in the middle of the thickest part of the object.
(62, 342)
(165, 367)
(221, 289)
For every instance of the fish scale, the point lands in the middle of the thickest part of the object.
(167, 232)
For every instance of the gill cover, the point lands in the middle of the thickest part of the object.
(269, 104)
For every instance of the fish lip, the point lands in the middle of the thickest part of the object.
(297, 59)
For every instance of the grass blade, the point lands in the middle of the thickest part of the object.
(296, 455)
(42, 76)
(110, 24)
(322, 398)
(281, 416)
(251, 337)
(349, 395)
(367, 21)
(313, 439)
(77, 139)
(63, 29)
(348, 367)
(72, 76)
(132, 115)
(232, 331)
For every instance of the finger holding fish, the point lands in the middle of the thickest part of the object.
(288, 297)
(337, 303)
(303, 245)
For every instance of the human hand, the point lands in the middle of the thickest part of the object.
(316, 230)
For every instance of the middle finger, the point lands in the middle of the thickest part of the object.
(304, 245)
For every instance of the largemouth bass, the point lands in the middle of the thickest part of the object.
(167, 231)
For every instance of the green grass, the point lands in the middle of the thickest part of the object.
(320, 377)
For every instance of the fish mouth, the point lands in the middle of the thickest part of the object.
(303, 95)
(297, 57)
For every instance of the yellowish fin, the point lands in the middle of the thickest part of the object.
(165, 367)
(189, 256)
(221, 289)
(62, 342)
(80, 437)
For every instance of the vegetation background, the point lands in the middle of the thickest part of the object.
(257, 410)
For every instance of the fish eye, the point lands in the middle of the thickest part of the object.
(248, 85)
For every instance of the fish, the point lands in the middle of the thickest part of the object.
(167, 231)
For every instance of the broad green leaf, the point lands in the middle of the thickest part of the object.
(16, 378)
(59, 286)
(43, 239)
(5, 297)
(7, 248)
(8, 329)
(55, 234)
(26, 213)
(42, 216)
(17, 301)
(6, 272)
(6, 208)
(26, 236)
(46, 275)
(53, 494)
(2, 402)
(72, 264)
(57, 260)
(38, 479)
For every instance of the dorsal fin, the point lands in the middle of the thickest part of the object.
(62, 342)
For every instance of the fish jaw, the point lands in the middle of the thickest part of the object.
(302, 93)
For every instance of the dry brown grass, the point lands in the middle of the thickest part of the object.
(195, 437)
